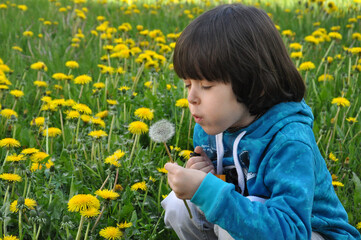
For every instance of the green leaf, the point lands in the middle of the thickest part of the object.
(357, 192)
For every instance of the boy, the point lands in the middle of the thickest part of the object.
(246, 97)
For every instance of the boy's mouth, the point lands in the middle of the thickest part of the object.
(197, 119)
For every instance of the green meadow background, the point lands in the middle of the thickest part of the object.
(97, 140)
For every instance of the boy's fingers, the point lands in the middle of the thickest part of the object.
(170, 167)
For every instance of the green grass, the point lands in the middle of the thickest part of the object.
(79, 166)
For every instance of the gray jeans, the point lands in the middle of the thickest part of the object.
(197, 228)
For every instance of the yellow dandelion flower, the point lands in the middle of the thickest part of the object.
(39, 121)
(28, 34)
(35, 167)
(335, 35)
(164, 196)
(112, 160)
(182, 103)
(358, 226)
(98, 122)
(123, 88)
(102, 114)
(82, 108)
(9, 143)
(29, 203)
(39, 66)
(72, 114)
(144, 113)
(99, 85)
(185, 153)
(288, 33)
(124, 225)
(60, 76)
(112, 102)
(40, 84)
(70, 103)
(85, 118)
(341, 101)
(111, 233)
(49, 164)
(118, 154)
(15, 158)
(325, 77)
(351, 120)
(107, 194)
(3, 87)
(90, 212)
(29, 151)
(139, 185)
(337, 184)
(118, 187)
(8, 113)
(162, 170)
(296, 55)
(98, 134)
(305, 66)
(39, 156)
(82, 202)
(82, 79)
(356, 36)
(138, 127)
(17, 93)
(51, 132)
(332, 157)
(10, 177)
(72, 64)
(295, 46)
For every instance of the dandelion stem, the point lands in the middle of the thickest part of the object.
(116, 179)
(180, 127)
(98, 218)
(38, 233)
(168, 152)
(78, 235)
(20, 225)
(133, 148)
(62, 127)
(77, 131)
(87, 231)
(110, 132)
(139, 73)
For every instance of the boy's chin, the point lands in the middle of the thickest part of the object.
(212, 131)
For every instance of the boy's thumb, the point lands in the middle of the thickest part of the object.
(199, 150)
(170, 166)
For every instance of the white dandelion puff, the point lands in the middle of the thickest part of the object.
(161, 131)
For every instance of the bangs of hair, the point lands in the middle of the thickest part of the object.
(199, 51)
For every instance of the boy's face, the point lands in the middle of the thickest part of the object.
(214, 106)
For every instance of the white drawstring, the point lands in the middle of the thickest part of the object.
(240, 173)
(220, 154)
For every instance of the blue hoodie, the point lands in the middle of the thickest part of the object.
(281, 164)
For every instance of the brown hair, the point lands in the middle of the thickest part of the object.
(240, 45)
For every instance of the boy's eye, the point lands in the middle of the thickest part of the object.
(206, 87)
(187, 85)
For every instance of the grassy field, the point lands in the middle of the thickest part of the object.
(82, 82)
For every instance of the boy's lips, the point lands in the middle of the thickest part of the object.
(197, 118)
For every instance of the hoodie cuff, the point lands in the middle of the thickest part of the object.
(209, 193)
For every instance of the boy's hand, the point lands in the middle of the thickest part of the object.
(183, 181)
(202, 163)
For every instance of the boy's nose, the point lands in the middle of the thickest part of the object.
(192, 98)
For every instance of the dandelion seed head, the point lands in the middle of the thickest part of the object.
(161, 131)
